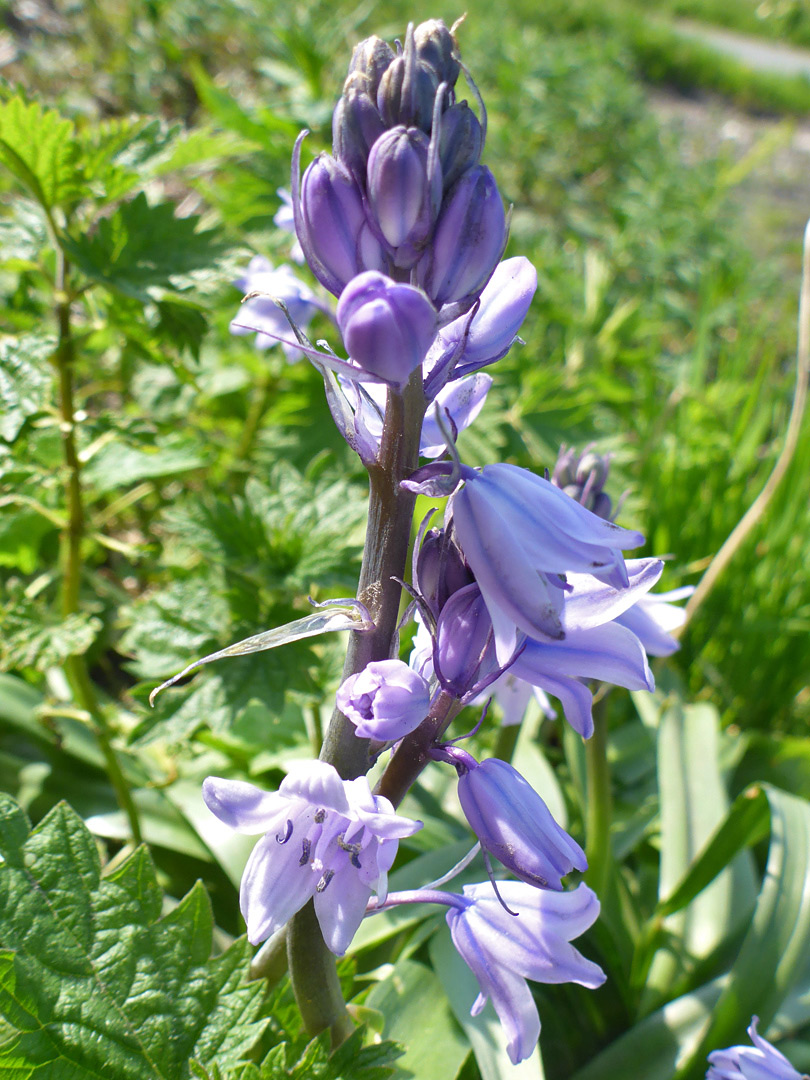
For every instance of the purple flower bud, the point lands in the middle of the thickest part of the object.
(440, 570)
(333, 229)
(356, 126)
(513, 823)
(582, 477)
(385, 701)
(468, 240)
(503, 951)
(436, 48)
(370, 59)
(464, 648)
(407, 90)
(403, 199)
(460, 143)
(387, 327)
(762, 1061)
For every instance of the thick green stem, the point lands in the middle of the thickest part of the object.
(312, 966)
(70, 550)
(599, 808)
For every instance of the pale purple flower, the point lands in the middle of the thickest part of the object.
(284, 218)
(492, 330)
(653, 618)
(513, 823)
(326, 838)
(762, 1061)
(513, 695)
(459, 402)
(387, 327)
(262, 315)
(385, 701)
(520, 535)
(595, 645)
(504, 950)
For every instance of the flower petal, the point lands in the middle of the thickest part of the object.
(243, 806)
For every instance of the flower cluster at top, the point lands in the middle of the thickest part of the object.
(523, 588)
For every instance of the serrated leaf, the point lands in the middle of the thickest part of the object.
(25, 380)
(95, 981)
(22, 235)
(141, 247)
(119, 465)
(37, 145)
(32, 636)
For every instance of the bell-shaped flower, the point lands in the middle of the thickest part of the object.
(503, 950)
(491, 332)
(595, 645)
(324, 838)
(520, 535)
(332, 226)
(762, 1061)
(468, 240)
(653, 618)
(403, 196)
(464, 657)
(513, 823)
(385, 701)
(262, 315)
(387, 327)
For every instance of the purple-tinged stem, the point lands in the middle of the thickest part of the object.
(414, 752)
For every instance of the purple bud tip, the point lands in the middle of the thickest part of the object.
(387, 327)
(385, 701)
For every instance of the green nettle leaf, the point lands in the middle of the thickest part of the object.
(38, 146)
(141, 247)
(92, 979)
(31, 636)
(25, 380)
(120, 465)
(22, 235)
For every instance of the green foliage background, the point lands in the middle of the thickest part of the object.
(141, 146)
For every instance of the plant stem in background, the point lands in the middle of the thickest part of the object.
(70, 549)
(599, 805)
(757, 509)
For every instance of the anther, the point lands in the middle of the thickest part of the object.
(306, 848)
(327, 877)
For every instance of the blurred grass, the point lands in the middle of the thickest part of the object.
(658, 330)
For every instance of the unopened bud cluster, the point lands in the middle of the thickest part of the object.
(403, 191)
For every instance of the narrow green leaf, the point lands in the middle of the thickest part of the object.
(777, 944)
(746, 823)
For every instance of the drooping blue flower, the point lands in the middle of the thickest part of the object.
(762, 1061)
(470, 344)
(263, 314)
(513, 823)
(385, 701)
(653, 618)
(326, 838)
(522, 536)
(503, 950)
(387, 327)
(595, 644)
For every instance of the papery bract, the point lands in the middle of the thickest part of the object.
(504, 950)
(385, 701)
(762, 1061)
(387, 327)
(513, 823)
